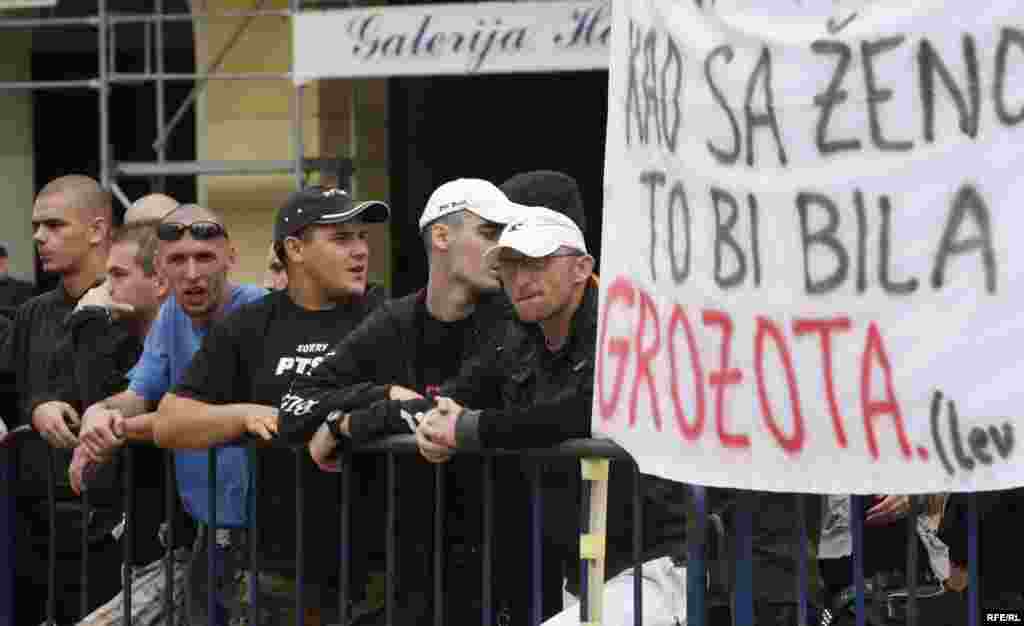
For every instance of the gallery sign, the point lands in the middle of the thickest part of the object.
(486, 38)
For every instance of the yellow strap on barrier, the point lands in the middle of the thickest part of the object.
(594, 469)
(592, 546)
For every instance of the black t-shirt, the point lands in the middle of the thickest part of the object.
(440, 357)
(441, 346)
(252, 356)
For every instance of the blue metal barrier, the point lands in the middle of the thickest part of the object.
(742, 601)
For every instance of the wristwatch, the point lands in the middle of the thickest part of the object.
(334, 424)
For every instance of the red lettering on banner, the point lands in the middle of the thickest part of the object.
(724, 377)
(874, 350)
(641, 332)
(620, 289)
(644, 356)
(825, 328)
(792, 444)
(690, 432)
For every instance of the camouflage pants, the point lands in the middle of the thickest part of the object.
(148, 597)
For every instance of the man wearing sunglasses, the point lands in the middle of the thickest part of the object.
(71, 221)
(536, 391)
(321, 236)
(196, 256)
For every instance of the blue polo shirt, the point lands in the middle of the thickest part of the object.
(166, 354)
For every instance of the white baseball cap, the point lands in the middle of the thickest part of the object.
(470, 194)
(539, 231)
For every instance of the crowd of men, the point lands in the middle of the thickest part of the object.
(147, 339)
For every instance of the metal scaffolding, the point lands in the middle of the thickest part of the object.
(105, 22)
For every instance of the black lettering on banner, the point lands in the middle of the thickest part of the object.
(898, 288)
(677, 195)
(876, 96)
(826, 237)
(727, 157)
(656, 90)
(832, 97)
(939, 447)
(650, 85)
(724, 236)
(967, 204)
(930, 64)
(1003, 440)
(755, 243)
(763, 73)
(961, 457)
(978, 439)
(862, 241)
(673, 60)
(653, 179)
(633, 89)
(1007, 37)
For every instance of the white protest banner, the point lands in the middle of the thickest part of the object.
(486, 38)
(809, 276)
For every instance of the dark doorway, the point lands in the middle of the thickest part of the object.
(66, 123)
(490, 127)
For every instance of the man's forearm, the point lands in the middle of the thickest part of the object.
(140, 427)
(182, 422)
(129, 403)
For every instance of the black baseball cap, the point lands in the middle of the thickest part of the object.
(324, 205)
(547, 188)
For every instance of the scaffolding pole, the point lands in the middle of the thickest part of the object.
(148, 77)
(33, 23)
(41, 85)
(139, 18)
(161, 150)
(293, 7)
(104, 95)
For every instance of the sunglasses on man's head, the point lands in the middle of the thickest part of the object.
(200, 231)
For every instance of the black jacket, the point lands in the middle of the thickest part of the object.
(14, 292)
(355, 378)
(380, 352)
(529, 397)
(28, 353)
(92, 363)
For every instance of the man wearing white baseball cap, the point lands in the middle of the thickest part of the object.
(388, 370)
(537, 392)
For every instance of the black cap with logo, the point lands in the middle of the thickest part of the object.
(324, 205)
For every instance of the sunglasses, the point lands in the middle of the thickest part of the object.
(200, 231)
(531, 265)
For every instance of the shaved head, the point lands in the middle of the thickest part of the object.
(188, 213)
(82, 193)
(152, 207)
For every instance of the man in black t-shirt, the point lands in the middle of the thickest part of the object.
(254, 354)
(71, 218)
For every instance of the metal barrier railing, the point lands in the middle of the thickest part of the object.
(741, 601)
